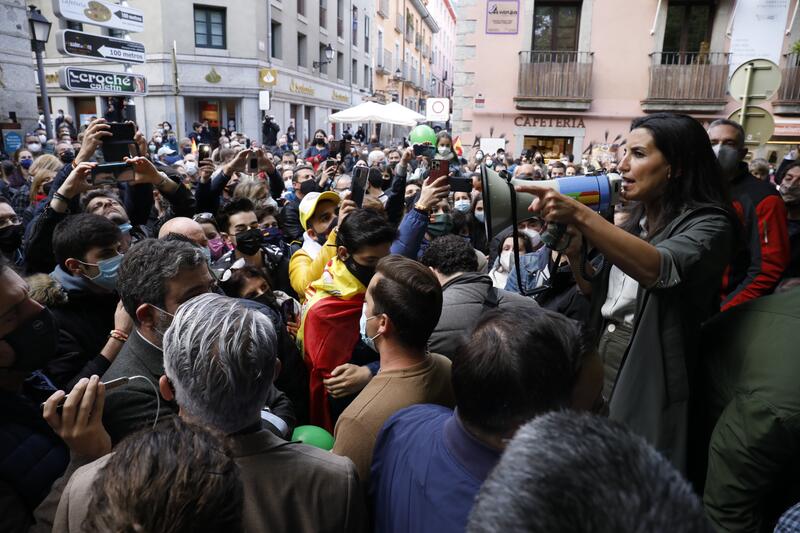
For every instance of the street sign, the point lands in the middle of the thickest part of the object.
(100, 13)
(98, 81)
(758, 124)
(263, 100)
(755, 80)
(12, 141)
(80, 44)
(437, 109)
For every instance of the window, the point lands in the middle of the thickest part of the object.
(354, 73)
(397, 57)
(209, 27)
(688, 26)
(379, 52)
(366, 76)
(323, 67)
(555, 26)
(301, 7)
(276, 42)
(366, 34)
(323, 13)
(301, 50)
(354, 33)
(339, 65)
(340, 18)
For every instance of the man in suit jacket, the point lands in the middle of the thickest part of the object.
(220, 376)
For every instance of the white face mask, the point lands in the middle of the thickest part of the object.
(158, 139)
(34, 147)
(533, 236)
(191, 168)
(43, 138)
(444, 150)
(505, 260)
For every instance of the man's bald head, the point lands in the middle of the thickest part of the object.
(186, 227)
(524, 172)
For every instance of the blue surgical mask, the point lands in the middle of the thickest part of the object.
(125, 227)
(462, 205)
(480, 216)
(109, 270)
(362, 326)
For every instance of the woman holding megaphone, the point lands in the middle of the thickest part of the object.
(660, 274)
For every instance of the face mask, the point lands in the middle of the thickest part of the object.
(322, 238)
(410, 202)
(362, 273)
(167, 127)
(217, 248)
(272, 236)
(186, 150)
(296, 148)
(191, 168)
(26, 163)
(362, 326)
(11, 238)
(462, 205)
(34, 342)
(444, 151)
(442, 225)
(43, 138)
(163, 321)
(61, 114)
(308, 186)
(249, 242)
(67, 157)
(109, 270)
(34, 147)
(125, 227)
(790, 193)
(533, 236)
(207, 253)
(158, 140)
(343, 194)
(505, 260)
(320, 142)
(480, 216)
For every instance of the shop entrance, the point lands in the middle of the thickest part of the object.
(552, 148)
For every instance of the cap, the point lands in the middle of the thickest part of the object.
(309, 204)
(165, 150)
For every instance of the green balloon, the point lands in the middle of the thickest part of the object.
(422, 134)
(313, 436)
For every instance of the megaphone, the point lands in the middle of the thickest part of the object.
(504, 206)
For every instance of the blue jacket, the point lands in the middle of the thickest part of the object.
(532, 267)
(410, 234)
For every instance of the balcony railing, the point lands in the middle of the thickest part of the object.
(787, 99)
(383, 8)
(384, 65)
(554, 80)
(687, 81)
(399, 24)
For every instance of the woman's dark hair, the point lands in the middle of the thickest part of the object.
(364, 227)
(443, 135)
(233, 285)
(174, 479)
(322, 132)
(696, 177)
(525, 250)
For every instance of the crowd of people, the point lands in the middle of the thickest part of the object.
(167, 339)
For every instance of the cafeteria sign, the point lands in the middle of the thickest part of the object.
(98, 81)
(502, 17)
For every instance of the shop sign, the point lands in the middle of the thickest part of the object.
(299, 88)
(100, 13)
(502, 17)
(340, 97)
(787, 130)
(12, 141)
(268, 77)
(545, 121)
(98, 81)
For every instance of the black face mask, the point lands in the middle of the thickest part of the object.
(34, 342)
(410, 202)
(362, 273)
(11, 238)
(323, 238)
(320, 142)
(249, 242)
(67, 157)
(309, 186)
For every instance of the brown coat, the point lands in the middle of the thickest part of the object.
(287, 487)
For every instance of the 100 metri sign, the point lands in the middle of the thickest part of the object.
(101, 82)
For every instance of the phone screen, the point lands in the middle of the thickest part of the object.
(360, 177)
(253, 163)
(204, 150)
(120, 144)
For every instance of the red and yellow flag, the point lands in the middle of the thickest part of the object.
(457, 147)
(194, 146)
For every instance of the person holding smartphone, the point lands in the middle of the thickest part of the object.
(318, 151)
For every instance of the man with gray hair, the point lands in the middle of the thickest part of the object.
(155, 277)
(572, 473)
(220, 359)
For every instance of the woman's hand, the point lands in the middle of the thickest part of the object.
(553, 206)
(347, 379)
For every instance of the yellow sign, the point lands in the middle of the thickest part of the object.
(213, 76)
(51, 79)
(340, 97)
(299, 88)
(268, 77)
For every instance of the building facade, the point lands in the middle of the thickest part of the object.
(444, 45)
(404, 52)
(225, 54)
(577, 72)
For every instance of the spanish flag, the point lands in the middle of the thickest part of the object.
(194, 147)
(457, 147)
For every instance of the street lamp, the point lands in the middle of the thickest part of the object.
(40, 33)
(328, 57)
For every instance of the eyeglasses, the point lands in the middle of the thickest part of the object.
(203, 218)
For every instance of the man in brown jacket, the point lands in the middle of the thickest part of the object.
(403, 305)
(220, 359)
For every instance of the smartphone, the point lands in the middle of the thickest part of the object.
(359, 185)
(424, 150)
(247, 143)
(289, 311)
(120, 144)
(252, 164)
(204, 151)
(110, 385)
(339, 147)
(439, 168)
(105, 173)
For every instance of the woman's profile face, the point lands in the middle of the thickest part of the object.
(644, 169)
